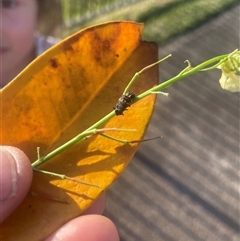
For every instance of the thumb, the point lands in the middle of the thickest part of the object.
(15, 179)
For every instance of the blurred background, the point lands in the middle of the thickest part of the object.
(163, 19)
(185, 186)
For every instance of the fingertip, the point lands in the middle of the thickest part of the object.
(88, 228)
(98, 206)
(16, 177)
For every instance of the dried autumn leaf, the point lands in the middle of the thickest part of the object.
(62, 93)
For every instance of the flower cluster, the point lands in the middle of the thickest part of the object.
(230, 79)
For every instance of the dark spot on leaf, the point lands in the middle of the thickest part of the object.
(67, 44)
(106, 46)
(23, 103)
(70, 48)
(54, 63)
(103, 50)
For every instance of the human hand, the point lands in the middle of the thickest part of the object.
(15, 180)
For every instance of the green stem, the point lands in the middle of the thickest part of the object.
(142, 70)
(182, 75)
(62, 148)
(93, 129)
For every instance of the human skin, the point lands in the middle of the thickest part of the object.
(15, 180)
(17, 43)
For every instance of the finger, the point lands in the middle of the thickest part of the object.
(97, 207)
(15, 179)
(87, 228)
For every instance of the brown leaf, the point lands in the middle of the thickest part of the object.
(59, 95)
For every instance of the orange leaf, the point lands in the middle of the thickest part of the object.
(59, 95)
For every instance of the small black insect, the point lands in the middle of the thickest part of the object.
(123, 102)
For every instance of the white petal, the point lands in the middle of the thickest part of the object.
(230, 82)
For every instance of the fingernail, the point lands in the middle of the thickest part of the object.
(8, 175)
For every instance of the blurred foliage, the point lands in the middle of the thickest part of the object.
(163, 19)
